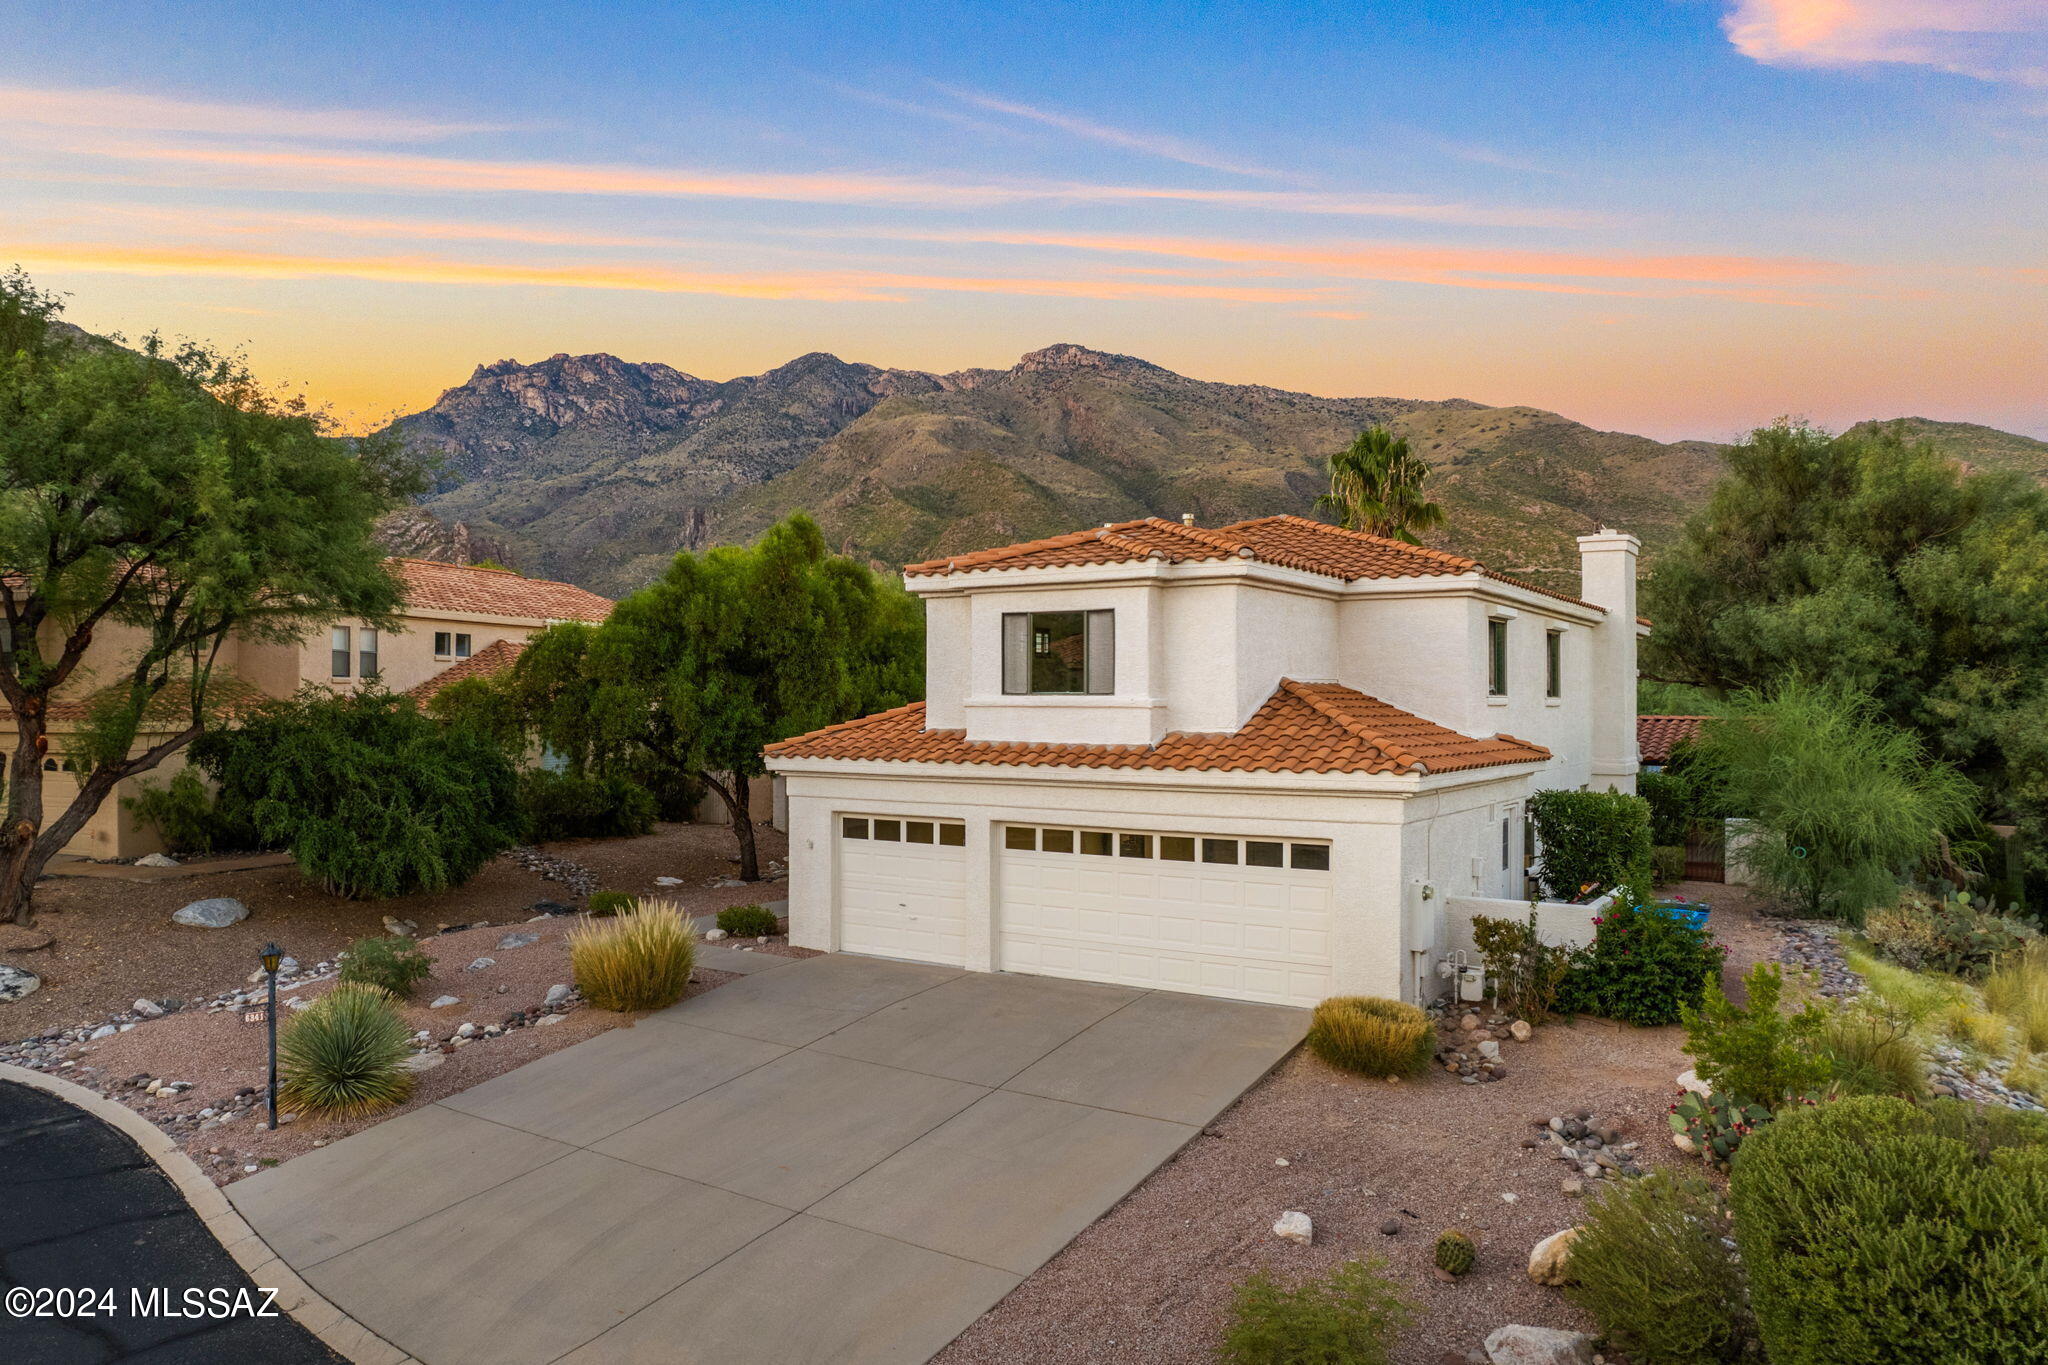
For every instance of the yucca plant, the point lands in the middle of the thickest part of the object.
(345, 1056)
(640, 960)
(1368, 1034)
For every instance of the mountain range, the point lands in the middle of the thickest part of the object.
(597, 470)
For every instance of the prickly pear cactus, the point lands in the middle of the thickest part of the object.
(1454, 1252)
(1717, 1123)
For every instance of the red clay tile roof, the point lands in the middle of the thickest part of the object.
(226, 693)
(430, 585)
(487, 662)
(1655, 735)
(1288, 541)
(1302, 728)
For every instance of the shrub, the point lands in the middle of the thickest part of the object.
(372, 797)
(1667, 863)
(1349, 1317)
(1875, 1232)
(638, 961)
(1652, 1265)
(181, 812)
(1755, 1051)
(2018, 991)
(1642, 967)
(1526, 971)
(344, 1056)
(1953, 934)
(1872, 1052)
(1367, 1034)
(1672, 805)
(607, 903)
(568, 806)
(748, 921)
(1590, 840)
(1454, 1252)
(394, 964)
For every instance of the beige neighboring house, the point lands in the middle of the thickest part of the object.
(459, 621)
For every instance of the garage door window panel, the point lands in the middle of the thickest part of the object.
(853, 827)
(1219, 850)
(1056, 841)
(1095, 843)
(1021, 837)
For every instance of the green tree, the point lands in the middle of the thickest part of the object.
(158, 496)
(1843, 802)
(1879, 567)
(729, 651)
(1376, 486)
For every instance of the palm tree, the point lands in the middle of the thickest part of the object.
(1376, 487)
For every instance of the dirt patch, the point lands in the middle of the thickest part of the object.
(1151, 1280)
(695, 855)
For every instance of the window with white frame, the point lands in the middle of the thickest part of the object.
(366, 653)
(1059, 653)
(1553, 664)
(338, 652)
(1497, 658)
(461, 645)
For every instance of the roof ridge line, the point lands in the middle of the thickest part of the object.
(1350, 725)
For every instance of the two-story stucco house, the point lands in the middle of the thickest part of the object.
(1224, 761)
(458, 621)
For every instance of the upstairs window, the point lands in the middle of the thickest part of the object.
(338, 647)
(444, 644)
(1497, 658)
(461, 646)
(1553, 664)
(1059, 653)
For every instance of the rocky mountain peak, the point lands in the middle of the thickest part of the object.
(1066, 355)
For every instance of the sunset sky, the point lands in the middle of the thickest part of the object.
(1679, 217)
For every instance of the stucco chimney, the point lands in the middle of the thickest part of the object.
(1607, 578)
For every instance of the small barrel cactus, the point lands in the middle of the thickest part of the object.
(1454, 1252)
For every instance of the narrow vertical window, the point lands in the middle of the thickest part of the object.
(444, 644)
(366, 653)
(461, 646)
(1553, 664)
(338, 648)
(1016, 652)
(1497, 658)
(1101, 653)
(1503, 845)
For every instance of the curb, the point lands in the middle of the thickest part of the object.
(336, 1329)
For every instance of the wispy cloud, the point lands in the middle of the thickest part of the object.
(1992, 40)
(1150, 144)
(300, 167)
(135, 111)
(834, 286)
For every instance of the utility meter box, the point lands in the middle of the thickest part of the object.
(1422, 906)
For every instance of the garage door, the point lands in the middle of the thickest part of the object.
(1209, 914)
(903, 888)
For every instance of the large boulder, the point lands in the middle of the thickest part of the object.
(15, 983)
(215, 912)
(1550, 1260)
(1519, 1345)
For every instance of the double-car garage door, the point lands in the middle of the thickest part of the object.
(1208, 913)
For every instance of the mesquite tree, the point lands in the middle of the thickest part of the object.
(727, 652)
(158, 500)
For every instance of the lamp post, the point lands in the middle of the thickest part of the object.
(272, 955)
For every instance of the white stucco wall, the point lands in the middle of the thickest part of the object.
(1558, 923)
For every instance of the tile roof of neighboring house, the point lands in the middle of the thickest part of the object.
(431, 585)
(1302, 728)
(487, 662)
(1655, 735)
(1288, 541)
(168, 709)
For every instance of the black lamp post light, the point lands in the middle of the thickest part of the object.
(272, 955)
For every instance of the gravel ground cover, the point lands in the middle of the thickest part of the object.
(1151, 1280)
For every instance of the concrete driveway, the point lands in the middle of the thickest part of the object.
(840, 1159)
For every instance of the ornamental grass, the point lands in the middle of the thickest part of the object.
(1368, 1034)
(639, 960)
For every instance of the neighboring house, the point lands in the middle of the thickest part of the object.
(1225, 761)
(458, 621)
(1656, 736)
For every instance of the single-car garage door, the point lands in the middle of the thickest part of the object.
(903, 888)
(1208, 914)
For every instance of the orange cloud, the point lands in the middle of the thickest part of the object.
(132, 110)
(1992, 40)
(865, 286)
(305, 166)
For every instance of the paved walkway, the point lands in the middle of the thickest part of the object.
(81, 1207)
(839, 1159)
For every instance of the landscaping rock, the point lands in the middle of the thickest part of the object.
(1390, 1228)
(148, 1009)
(1490, 1050)
(1690, 1080)
(400, 928)
(713, 935)
(1521, 1031)
(1518, 1345)
(1550, 1259)
(156, 860)
(557, 993)
(444, 1001)
(511, 941)
(1294, 1226)
(668, 881)
(215, 912)
(480, 964)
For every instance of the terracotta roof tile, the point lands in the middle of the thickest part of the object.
(226, 692)
(1287, 541)
(487, 662)
(1302, 728)
(1656, 735)
(430, 585)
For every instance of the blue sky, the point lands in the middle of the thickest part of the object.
(1683, 218)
